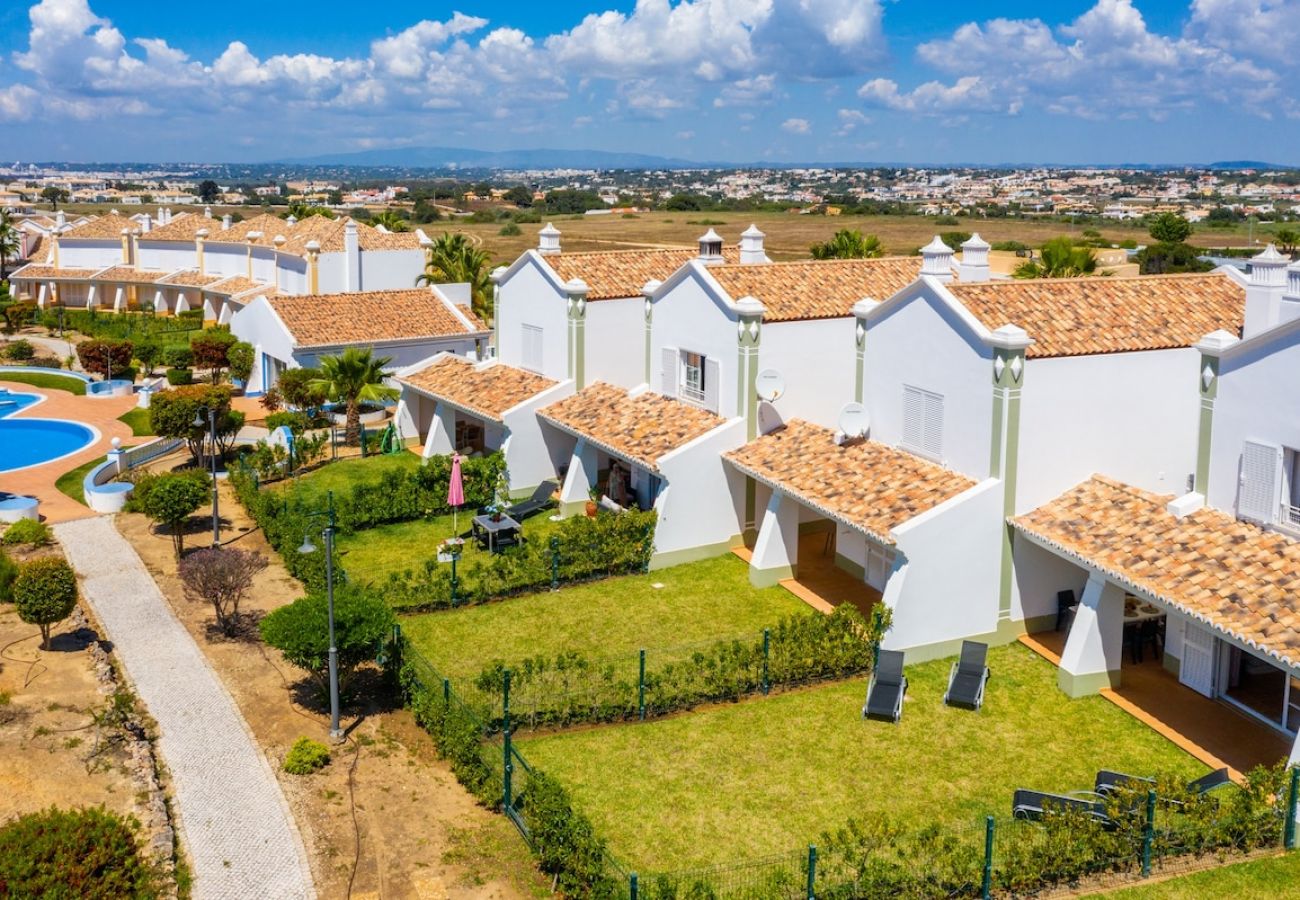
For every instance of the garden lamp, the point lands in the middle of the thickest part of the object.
(307, 546)
(336, 733)
(212, 435)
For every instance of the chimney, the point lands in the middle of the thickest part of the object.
(351, 256)
(974, 265)
(60, 221)
(548, 240)
(1289, 306)
(292, 220)
(226, 222)
(936, 260)
(710, 247)
(146, 223)
(1268, 279)
(207, 212)
(751, 246)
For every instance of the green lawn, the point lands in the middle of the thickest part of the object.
(70, 483)
(138, 419)
(772, 774)
(53, 380)
(1265, 878)
(698, 601)
(343, 475)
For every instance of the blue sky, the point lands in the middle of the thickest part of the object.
(1104, 81)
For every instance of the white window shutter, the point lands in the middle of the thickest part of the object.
(933, 425)
(712, 381)
(913, 416)
(671, 363)
(1258, 495)
(532, 348)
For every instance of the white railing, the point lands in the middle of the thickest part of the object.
(1292, 514)
(138, 456)
(691, 395)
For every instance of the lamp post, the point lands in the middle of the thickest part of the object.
(212, 435)
(336, 733)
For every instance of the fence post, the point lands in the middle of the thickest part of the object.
(812, 872)
(1148, 834)
(640, 687)
(986, 887)
(446, 692)
(505, 742)
(1288, 837)
(767, 656)
(632, 886)
(363, 442)
(555, 563)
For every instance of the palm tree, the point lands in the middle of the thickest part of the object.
(302, 211)
(1059, 258)
(1287, 240)
(849, 244)
(10, 243)
(391, 220)
(453, 259)
(352, 378)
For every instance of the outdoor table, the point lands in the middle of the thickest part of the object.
(489, 531)
(1141, 611)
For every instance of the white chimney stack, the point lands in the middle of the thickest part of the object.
(207, 212)
(292, 220)
(974, 265)
(351, 256)
(1289, 305)
(751, 246)
(710, 247)
(226, 222)
(1268, 279)
(146, 223)
(936, 260)
(548, 240)
(60, 220)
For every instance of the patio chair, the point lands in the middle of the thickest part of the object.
(1108, 781)
(1066, 607)
(968, 676)
(1034, 805)
(886, 689)
(539, 501)
(1207, 783)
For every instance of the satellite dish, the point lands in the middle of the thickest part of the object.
(768, 418)
(770, 385)
(854, 420)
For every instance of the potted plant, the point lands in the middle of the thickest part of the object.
(593, 504)
(451, 549)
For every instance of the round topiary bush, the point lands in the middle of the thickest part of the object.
(20, 349)
(27, 531)
(306, 756)
(85, 853)
(179, 376)
(45, 593)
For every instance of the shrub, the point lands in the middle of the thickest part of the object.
(222, 578)
(97, 354)
(27, 531)
(19, 315)
(510, 230)
(170, 500)
(85, 853)
(8, 572)
(298, 422)
(301, 631)
(240, 357)
(149, 353)
(272, 399)
(45, 593)
(179, 377)
(172, 414)
(178, 357)
(44, 362)
(306, 756)
(20, 349)
(564, 839)
(1012, 246)
(210, 352)
(297, 388)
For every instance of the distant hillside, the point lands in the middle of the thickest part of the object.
(1246, 164)
(461, 158)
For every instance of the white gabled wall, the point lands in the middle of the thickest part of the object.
(528, 457)
(815, 358)
(702, 502)
(616, 341)
(167, 256)
(257, 324)
(87, 253)
(1130, 416)
(690, 317)
(529, 297)
(386, 270)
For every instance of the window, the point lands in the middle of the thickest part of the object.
(531, 351)
(1260, 491)
(923, 422)
(692, 383)
(1291, 487)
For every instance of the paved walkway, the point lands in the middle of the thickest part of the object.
(239, 832)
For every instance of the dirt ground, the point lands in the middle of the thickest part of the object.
(48, 736)
(386, 819)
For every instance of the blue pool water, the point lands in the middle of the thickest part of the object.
(27, 442)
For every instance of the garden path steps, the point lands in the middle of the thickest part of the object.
(240, 835)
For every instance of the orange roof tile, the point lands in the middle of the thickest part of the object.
(1230, 574)
(640, 428)
(131, 274)
(613, 274)
(817, 289)
(370, 317)
(486, 391)
(101, 228)
(183, 227)
(865, 484)
(50, 273)
(235, 284)
(1078, 316)
(267, 224)
(191, 278)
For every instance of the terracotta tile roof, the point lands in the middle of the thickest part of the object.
(327, 232)
(486, 391)
(266, 223)
(865, 484)
(1232, 575)
(131, 274)
(47, 273)
(641, 428)
(101, 228)
(369, 317)
(235, 284)
(182, 228)
(817, 289)
(1077, 316)
(39, 247)
(191, 278)
(612, 274)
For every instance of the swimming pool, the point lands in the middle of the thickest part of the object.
(29, 442)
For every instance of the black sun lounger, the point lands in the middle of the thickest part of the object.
(968, 676)
(886, 689)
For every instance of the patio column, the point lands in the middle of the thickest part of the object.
(577, 324)
(579, 480)
(749, 333)
(41, 293)
(776, 551)
(861, 310)
(119, 298)
(91, 299)
(1009, 346)
(442, 432)
(159, 301)
(1094, 650)
(182, 302)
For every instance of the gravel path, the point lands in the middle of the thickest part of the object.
(240, 834)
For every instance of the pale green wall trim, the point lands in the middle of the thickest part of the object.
(580, 352)
(1208, 395)
(576, 508)
(848, 565)
(1006, 632)
(1086, 684)
(693, 554)
(648, 332)
(496, 317)
(761, 578)
(1173, 665)
(1004, 455)
(860, 367)
(1035, 624)
(751, 508)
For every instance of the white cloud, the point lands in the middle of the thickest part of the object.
(747, 92)
(851, 120)
(685, 135)
(796, 126)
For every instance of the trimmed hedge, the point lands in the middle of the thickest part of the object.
(86, 853)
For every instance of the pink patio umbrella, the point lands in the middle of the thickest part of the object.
(455, 492)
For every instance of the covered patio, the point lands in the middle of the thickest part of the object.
(1224, 673)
